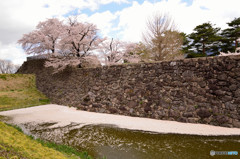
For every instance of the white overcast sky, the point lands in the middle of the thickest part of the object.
(122, 19)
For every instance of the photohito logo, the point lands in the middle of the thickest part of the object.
(213, 153)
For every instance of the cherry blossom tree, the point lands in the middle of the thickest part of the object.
(79, 39)
(52, 36)
(112, 51)
(7, 67)
(44, 39)
(117, 52)
(61, 62)
(70, 43)
(132, 53)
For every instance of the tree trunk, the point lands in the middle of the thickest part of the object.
(204, 52)
(53, 46)
(236, 44)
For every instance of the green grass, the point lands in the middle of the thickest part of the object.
(15, 144)
(19, 91)
(3, 77)
(67, 151)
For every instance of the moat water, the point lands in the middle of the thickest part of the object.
(116, 143)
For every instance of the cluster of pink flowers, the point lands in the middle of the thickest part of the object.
(76, 39)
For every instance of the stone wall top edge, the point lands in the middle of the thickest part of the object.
(166, 62)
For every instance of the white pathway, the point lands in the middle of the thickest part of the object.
(65, 115)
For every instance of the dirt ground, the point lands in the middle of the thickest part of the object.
(64, 115)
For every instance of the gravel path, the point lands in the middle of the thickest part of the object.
(65, 115)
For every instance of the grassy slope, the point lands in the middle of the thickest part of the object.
(14, 143)
(19, 91)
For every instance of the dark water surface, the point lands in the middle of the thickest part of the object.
(117, 143)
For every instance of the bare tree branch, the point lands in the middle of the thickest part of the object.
(7, 67)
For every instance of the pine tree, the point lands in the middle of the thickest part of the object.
(205, 39)
(230, 36)
(186, 44)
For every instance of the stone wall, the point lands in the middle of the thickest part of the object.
(201, 90)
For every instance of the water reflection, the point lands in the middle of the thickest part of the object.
(117, 143)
